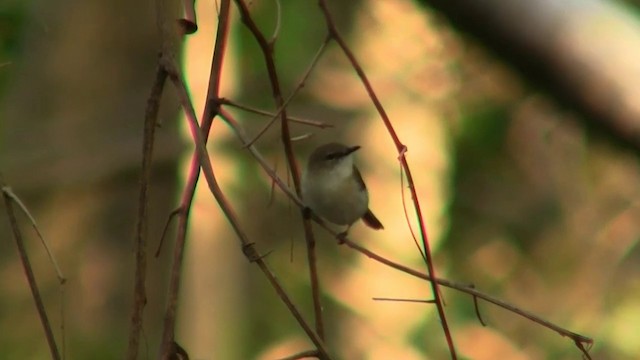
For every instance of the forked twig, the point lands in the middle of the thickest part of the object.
(300, 85)
(320, 124)
(9, 198)
(167, 59)
(248, 248)
(201, 160)
(468, 289)
(8, 192)
(200, 133)
(401, 148)
(267, 49)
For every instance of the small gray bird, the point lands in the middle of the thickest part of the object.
(333, 187)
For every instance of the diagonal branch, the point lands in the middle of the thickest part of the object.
(211, 107)
(248, 247)
(300, 85)
(578, 339)
(31, 278)
(467, 289)
(267, 52)
(402, 149)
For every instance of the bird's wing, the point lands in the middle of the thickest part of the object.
(358, 177)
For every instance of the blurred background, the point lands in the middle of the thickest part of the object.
(522, 122)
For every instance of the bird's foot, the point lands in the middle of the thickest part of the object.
(342, 237)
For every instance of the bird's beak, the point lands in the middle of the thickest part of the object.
(351, 149)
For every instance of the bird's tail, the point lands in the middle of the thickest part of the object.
(372, 221)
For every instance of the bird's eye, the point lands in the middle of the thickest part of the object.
(332, 156)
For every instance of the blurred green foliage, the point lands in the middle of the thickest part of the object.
(13, 20)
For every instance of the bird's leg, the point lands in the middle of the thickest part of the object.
(343, 235)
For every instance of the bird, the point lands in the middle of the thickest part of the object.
(333, 188)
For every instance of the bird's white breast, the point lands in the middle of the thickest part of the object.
(335, 194)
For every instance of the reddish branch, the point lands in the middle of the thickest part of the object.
(401, 148)
(210, 111)
(267, 52)
(31, 278)
(248, 247)
(578, 339)
(201, 160)
(140, 296)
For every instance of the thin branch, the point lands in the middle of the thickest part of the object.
(31, 279)
(210, 109)
(248, 247)
(202, 159)
(401, 148)
(320, 124)
(267, 52)
(276, 30)
(242, 135)
(170, 218)
(476, 308)
(300, 85)
(406, 215)
(468, 289)
(420, 301)
(7, 190)
(140, 295)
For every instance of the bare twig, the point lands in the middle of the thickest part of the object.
(248, 248)
(468, 289)
(276, 30)
(300, 85)
(406, 214)
(140, 296)
(320, 124)
(194, 173)
(267, 50)
(577, 338)
(7, 190)
(401, 148)
(170, 218)
(242, 135)
(476, 308)
(420, 301)
(31, 279)
(201, 159)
